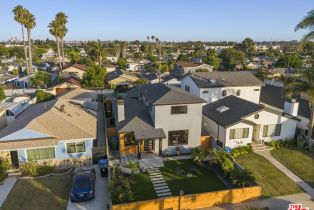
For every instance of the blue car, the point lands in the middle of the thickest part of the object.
(83, 188)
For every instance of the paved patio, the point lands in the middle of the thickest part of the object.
(6, 188)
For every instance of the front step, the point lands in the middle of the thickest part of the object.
(260, 147)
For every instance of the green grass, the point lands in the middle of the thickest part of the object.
(272, 180)
(48, 193)
(142, 187)
(204, 181)
(298, 161)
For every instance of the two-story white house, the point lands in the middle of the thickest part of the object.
(212, 86)
(236, 122)
(157, 118)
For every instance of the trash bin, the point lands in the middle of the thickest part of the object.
(103, 167)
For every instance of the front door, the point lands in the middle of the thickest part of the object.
(256, 133)
(14, 159)
(148, 145)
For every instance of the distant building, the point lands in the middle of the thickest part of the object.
(50, 54)
(75, 70)
(183, 67)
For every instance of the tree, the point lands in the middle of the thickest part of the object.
(41, 80)
(74, 56)
(20, 17)
(202, 70)
(199, 154)
(123, 63)
(30, 23)
(98, 51)
(213, 60)
(94, 76)
(242, 177)
(141, 81)
(248, 47)
(42, 96)
(304, 85)
(62, 20)
(231, 58)
(289, 60)
(54, 30)
(308, 24)
(2, 94)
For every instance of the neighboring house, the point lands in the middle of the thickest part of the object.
(50, 54)
(183, 67)
(170, 80)
(120, 79)
(157, 118)
(277, 72)
(141, 65)
(57, 132)
(14, 109)
(217, 85)
(273, 97)
(23, 82)
(253, 65)
(236, 122)
(23, 68)
(83, 53)
(151, 77)
(66, 84)
(110, 67)
(113, 59)
(75, 70)
(7, 78)
(44, 66)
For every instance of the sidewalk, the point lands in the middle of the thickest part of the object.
(277, 203)
(6, 188)
(306, 187)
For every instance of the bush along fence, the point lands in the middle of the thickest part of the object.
(195, 201)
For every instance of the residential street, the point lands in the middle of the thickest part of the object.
(101, 196)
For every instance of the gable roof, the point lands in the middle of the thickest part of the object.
(273, 96)
(162, 94)
(237, 108)
(82, 67)
(71, 80)
(224, 79)
(120, 74)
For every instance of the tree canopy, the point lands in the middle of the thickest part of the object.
(41, 80)
(94, 76)
(231, 58)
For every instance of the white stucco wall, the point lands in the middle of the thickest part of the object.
(288, 126)
(238, 142)
(192, 121)
(194, 89)
(209, 127)
(66, 72)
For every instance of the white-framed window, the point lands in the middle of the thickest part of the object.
(40, 153)
(239, 133)
(271, 130)
(75, 147)
(179, 109)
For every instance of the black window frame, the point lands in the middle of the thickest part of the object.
(181, 135)
(238, 93)
(182, 109)
(75, 151)
(187, 88)
(224, 93)
(129, 140)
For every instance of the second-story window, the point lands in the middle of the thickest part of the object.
(224, 93)
(238, 92)
(187, 88)
(179, 109)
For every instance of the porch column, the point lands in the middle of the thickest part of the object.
(160, 147)
(139, 156)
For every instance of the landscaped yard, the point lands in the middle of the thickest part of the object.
(300, 162)
(272, 180)
(204, 180)
(48, 193)
(142, 187)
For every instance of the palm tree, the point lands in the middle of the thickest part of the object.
(30, 23)
(123, 46)
(308, 24)
(242, 177)
(19, 16)
(152, 37)
(62, 20)
(148, 37)
(99, 51)
(54, 29)
(304, 85)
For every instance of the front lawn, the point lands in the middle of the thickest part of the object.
(204, 180)
(142, 187)
(272, 180)
(47, 193)
(300, 162)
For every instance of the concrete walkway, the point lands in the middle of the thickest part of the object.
(160, 185)
(305, 186)
(6, 188)
(277, 203)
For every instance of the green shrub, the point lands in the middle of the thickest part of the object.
(241, 150)
(34, 169)
(223, 161)
(4, 166)
(43, 96)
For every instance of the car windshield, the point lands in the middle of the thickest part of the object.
(82, 183)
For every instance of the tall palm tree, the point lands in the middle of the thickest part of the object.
(99, 50)
(152, 37)
(305, 85)
(308, 24)
(19, 16)
(148, 37)
(62, 20)
(124, 47)
(54, 29)
(30, 23)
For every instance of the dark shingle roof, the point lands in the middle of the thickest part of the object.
(113, 75)
(273, 96)
(237, 109)
(162, 94)
(224, 79)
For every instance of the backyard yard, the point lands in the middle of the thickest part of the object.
(300, 162)
(202, 180)
(272, 180)
(47, 193)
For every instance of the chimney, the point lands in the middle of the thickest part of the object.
(62, 108)
(291, 107)
(120, 110)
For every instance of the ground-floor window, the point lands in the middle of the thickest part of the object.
(40, 153)
(179, 137)
(75, 147)
(129, 139)
(271, 130)
(239, 133)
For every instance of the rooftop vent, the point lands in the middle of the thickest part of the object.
(213, 81)
(222, 109)
(62, 108)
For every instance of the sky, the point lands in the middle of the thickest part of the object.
(170, 20)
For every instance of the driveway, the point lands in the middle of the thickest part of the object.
(101, 196)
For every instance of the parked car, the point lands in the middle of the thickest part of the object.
(83, 188)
